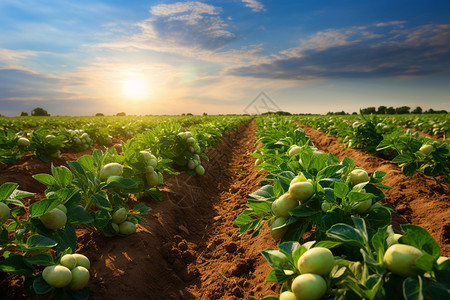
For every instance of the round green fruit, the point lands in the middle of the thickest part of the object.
(283, 205)
(309, 287)
(362, 206)
(199, 170)
(80, 277)
(318, 260)
(301, 191)
(426, 149)
(295, 150)
(358, 176)
(54, 219)
(82, 260)
(120, 215)
(5, 212)
(111, 169)
(127, 228)
(287, 296)
(23, 142)
(401, 260)
(57, 276)
(68, 261)
(152, 178)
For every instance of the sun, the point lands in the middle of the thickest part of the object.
(136, 88)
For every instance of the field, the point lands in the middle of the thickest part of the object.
(188, 246)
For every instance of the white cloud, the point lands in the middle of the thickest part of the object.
(256, 6)
(194, 7)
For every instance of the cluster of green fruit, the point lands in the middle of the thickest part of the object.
(313, 265)
(71, 272)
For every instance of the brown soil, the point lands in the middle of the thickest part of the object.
(418, 200)
(189, 248)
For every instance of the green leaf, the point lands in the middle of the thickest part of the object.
(340, 190)
(40, 243)
(121, 182)
(7, 189)
(328, 244)
(77, 215)
(45, 179)
(346, 234)
(402, 158)
(101, 201)
(16, 265)
(40, 286)
(87, 162)
(410, 168)
(43, 259)
(142, 208)
(418, 237)
(42, 207)
(276, 259)
(276, 275)
(62, 175)
(412, 289)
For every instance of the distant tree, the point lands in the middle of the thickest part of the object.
(369, 110)
(354, 113)
(417, 110)
(390, 110)
(382, 110)
(121, 114)
(99, 115)
(23, 114)
(402, 110)
(205, 114)
(189, 114)
(39, 111)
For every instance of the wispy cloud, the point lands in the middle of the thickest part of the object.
(256, 6)
(360, 53)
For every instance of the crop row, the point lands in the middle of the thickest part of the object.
(334, 234)
(46, 136)
(411, 150)
(94, 192)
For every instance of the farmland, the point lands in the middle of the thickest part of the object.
(206, 234)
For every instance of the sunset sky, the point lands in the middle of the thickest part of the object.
(167, 57)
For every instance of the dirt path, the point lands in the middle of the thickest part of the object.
(418, 200)
(189, 248)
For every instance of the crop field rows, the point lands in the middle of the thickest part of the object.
(189, 246)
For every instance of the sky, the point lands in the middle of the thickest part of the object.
(222, 57)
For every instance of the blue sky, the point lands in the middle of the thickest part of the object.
(169, 57)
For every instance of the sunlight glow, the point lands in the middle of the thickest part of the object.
(136, 88)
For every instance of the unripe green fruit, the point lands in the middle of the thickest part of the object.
(54, 219)
(294, 150)
(199, 170)
(68, 261)
(152, 162)
(82, 260)
(401, 260)
(287, 296)
(23, 142)
(358, 176)
(301, 191)
(152, 178)
(127, 228)
(80, 277)
(5, 212)
(318, 260)
(119, 216)
(57, 276)
(426, 149)
(111, 169)
(62, 207)
(309, 287)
